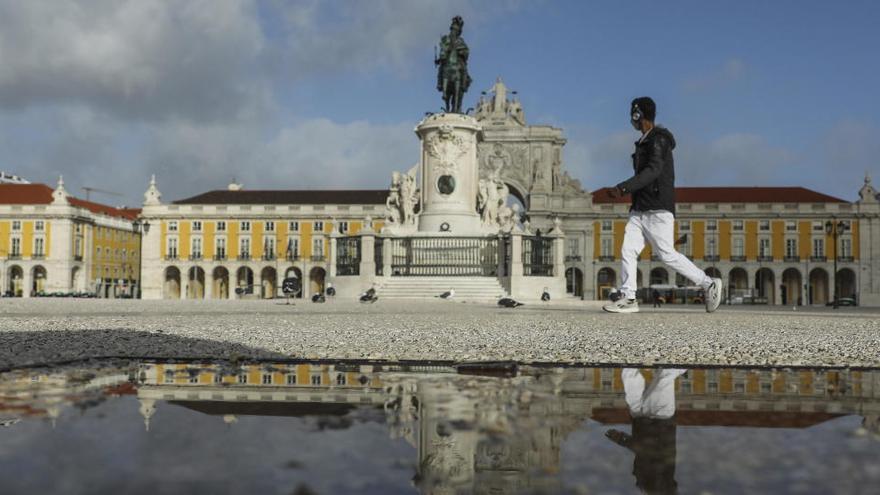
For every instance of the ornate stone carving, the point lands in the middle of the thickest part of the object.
(152, 196)
(403, 197)
(447, 148)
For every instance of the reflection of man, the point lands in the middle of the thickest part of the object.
(653, 429)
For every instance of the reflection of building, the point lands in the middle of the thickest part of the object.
(53, 242)
(471, 434)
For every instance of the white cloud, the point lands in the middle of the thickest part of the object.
(136, 59)
(731, 70)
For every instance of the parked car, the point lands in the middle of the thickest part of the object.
(843, 301)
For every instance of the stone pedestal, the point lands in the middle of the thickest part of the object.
(450, 174)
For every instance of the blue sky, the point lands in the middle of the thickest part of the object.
(324, 94)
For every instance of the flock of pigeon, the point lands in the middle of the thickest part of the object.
(293, 286)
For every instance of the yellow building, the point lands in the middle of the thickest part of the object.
(238, 243)
(770, 245)
(54, 243)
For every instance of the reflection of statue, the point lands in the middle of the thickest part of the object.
(653, 429)
(453, 79)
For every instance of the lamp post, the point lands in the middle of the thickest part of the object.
(141, 227)
(834, 230)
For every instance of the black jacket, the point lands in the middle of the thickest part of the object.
(653, 185)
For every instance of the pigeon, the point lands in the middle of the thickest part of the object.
(545, 296)
(369, 296)
(331, 291)
(507, 302)
(318, 298)
(448, 294)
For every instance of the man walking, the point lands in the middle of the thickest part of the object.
(651, 216)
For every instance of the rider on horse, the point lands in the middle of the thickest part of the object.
(453, 79)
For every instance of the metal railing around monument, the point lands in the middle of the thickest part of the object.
(537, 256)
(348, 256)
(444, 256)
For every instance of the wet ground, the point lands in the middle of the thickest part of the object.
(215, 427)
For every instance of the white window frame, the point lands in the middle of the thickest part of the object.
(684, 225)
(761, 242)
(39, 246)
(244, 246)
(16, 225)
(818, 247)
(791, 226)
(711, 225)
(737, 226)
(738, 248)
(221, 226)
(172, 226)
(293, 244)
(607, 225)
(172, 249)
(39, 226)
(196, 246)
(343, 226)
(791, 247)
(764, 225)
(606, 247)
(269, 226)
(712, 245)
(197, 225)
(845, 247)
(220, 246)
(15, 246)
(318, 226)
(293, 226)
(318, 246)
(244, 225)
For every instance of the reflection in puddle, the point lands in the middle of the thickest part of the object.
(360, 428)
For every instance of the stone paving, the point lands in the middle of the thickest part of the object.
(43, 331)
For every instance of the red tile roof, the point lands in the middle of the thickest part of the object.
(302, 197)
(734, 195)
(41, 194)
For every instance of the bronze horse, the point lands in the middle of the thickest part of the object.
(453, 79)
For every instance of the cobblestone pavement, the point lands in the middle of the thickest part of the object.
(41, 331)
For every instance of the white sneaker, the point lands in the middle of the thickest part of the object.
(713, 295)
(622, 305)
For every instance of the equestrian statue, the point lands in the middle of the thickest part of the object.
(453, 79)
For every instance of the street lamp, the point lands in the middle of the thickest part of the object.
(141, 227)
(834, 229)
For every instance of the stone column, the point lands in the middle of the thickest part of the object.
(368, 256)
(386, 257)
(331, 271)
(26, 280)
(209, 283)
(450, 173)
(516, 263)
(558, 255)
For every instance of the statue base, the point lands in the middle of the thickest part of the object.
(449, 174)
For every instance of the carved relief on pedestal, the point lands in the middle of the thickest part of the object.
(446, 147)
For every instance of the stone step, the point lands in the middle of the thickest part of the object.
(470, 288)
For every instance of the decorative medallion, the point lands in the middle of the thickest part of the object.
(446, 184)
(444, 227)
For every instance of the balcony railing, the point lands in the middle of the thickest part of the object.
(268, 256)
(244, 257)
(606, 258)
(195, 257)
(38, 256)
(220, 257)
(792, 259)
(317, 257)
(292, 257)
(14, 256)
(738, 258)
(573, 258)
(818, 259)
(171, 256)
(765, 258)
(711, 257)
(845, 259)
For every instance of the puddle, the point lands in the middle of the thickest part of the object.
(353, 428)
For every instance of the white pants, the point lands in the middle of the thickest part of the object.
(656, 401)
(657, 226)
